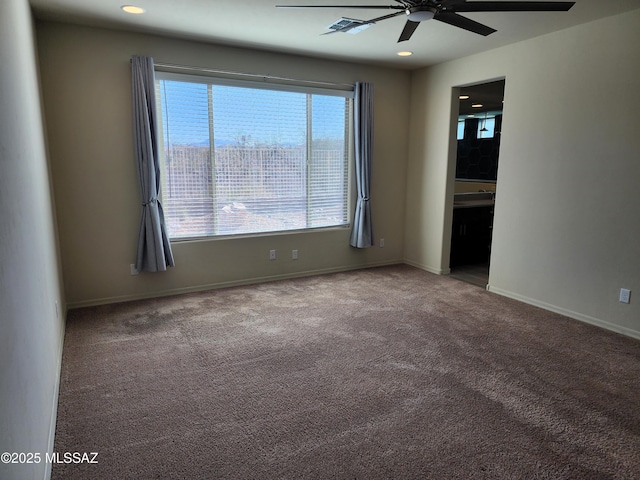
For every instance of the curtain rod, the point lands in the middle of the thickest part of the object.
(252, 75)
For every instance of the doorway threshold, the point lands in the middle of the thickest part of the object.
(476, 274)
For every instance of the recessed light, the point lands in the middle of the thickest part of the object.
(404, 54)
(477, 105)
(463, 97)
(132, 9)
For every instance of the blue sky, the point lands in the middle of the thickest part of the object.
(267, 116)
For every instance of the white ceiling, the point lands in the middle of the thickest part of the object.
(259, 24)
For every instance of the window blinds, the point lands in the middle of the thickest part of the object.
(239, 159)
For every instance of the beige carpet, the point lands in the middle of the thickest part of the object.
(385, 373)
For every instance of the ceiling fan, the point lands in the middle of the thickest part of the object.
(445, 11)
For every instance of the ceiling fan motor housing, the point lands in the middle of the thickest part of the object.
(421, 13)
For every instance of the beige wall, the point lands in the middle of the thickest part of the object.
(86, 83)
(566, 219)
(31, 330)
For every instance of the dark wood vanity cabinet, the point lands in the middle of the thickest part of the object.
(471, 235)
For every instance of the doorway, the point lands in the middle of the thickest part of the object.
(476, 175)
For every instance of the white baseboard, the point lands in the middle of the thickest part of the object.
(225, 284)
(56, 393)
(567, 313)
(427, 268)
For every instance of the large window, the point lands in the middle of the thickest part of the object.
(243, 158)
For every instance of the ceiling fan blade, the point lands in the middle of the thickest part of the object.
(364, 22)
(343, 29)
(384, 17)
(464, 23)
(408, 30)
(511, 7)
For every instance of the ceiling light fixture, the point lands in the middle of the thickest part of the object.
(132, 9)
(464, 97)
(477, 105)
(405, 54)
(420, 14)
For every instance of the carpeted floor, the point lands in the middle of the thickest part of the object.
(385, 373)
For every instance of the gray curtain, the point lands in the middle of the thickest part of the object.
(154, 250)
(362, 232)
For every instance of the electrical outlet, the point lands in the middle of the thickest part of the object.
(134, 270)
(272, 254)
(294, 254)
(625, 295)
(382, 243)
